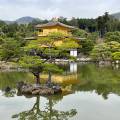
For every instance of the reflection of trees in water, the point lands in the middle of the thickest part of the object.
(99, 89)
(10, 93)
(11, 78)
(103, 80)
(89, 77)
(48, 114)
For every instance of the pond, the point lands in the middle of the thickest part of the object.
(95, 95)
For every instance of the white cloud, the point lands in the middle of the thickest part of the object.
(12, 9)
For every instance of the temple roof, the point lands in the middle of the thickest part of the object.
(50, 24)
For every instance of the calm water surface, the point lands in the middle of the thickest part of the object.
(95, 96)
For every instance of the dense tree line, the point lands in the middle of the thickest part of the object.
(102, 24)
(89, 25)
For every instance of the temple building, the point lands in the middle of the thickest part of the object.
(44, 29)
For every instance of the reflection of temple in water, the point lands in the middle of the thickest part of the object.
(68, 77)
(116, 66)
(73, 67)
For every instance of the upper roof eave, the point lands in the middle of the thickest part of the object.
(50, 24)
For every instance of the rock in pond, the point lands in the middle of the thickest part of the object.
(45, 89)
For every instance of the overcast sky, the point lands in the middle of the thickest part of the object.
(13, 9)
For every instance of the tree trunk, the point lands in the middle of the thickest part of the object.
(37, 77)
(36, 107)
(37, 104)
(50, 108)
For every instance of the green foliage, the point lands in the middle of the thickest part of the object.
(86, 24)
(10, 49)
(93, 36)
(116, 56)
(46, 46)
(113, 24)
(30, 61)
(72, 58)
(73, 22)
(34, 64)
(101, 52)
(49, 67)
(41, 53)
(87, 46)
(102, 24)
(63, 20)
(106, 51)
(88, 43)
(44, 42)
(69, 43)
(107, 23)
(52, 52)
(33, 44)
(113, 46)
(1, 40)
(80, 33)
(112, 36)
(56, 36)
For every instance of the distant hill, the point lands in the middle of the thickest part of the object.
(116, 15)
(23, 20)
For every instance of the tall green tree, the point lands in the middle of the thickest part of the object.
(86, 40)
(40, 54)
(10, 50)
(102, 23)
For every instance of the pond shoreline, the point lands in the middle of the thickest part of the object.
(9, 66)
